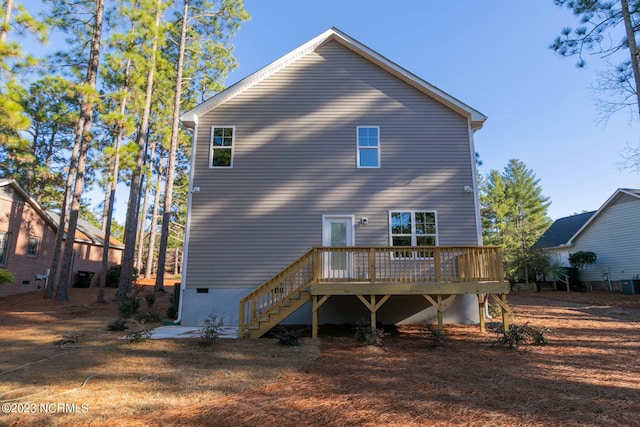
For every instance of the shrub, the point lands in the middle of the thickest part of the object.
(518, 335)
(211, 330)
(150, 299)
(288, 338)
(113, 275)
(367, 335)
(128, 306)
(147, 317)
(171, 312)
(118, 325)
(6, 276)
(435, 336)
(139, 336)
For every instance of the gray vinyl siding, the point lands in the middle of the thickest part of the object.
(295, 160)
(614, 236)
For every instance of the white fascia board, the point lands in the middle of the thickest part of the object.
(476, 119)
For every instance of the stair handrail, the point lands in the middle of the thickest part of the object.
(266, 297)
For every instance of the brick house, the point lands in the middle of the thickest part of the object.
(27, 239)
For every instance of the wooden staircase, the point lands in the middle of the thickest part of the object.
(277, 298)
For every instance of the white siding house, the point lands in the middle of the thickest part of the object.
(333, 145)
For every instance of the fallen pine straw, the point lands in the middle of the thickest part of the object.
(588, 374)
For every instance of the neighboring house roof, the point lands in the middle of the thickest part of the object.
(85, 232)
(561, 231)
(476, 119)
(610, 201)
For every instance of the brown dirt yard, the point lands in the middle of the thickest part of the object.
(587, 375)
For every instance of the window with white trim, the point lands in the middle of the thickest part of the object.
(33, 246)
(221, 147)
(368, 153)
(413, 228)
(4, 247)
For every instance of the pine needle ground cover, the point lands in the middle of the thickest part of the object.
(61, 358)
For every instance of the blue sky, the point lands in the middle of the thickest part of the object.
(493, 55)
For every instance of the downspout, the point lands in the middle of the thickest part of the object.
(187, 231)
(476, 196)
(476, 200)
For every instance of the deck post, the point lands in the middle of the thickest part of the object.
(314, 317)
(373, 312)
(440, 320)
(481, 307)
(505, 313)
(241, 320)
(314, 313)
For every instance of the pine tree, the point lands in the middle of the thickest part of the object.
(203, 49)
(514, 215)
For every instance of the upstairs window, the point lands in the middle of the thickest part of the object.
(4, 247)
(33, 246)
(368, 146)
(221, 151)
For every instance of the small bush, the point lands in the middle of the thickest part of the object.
(150, 299)
(435, 336)
(518, 335)
(147, 317)
(139, 336)
(288, 338)
(113, 275)
(171, 312)
(118, 325)
(6, 276)
(128, 306)
(69, 338)
(211, 330)
(367, 335)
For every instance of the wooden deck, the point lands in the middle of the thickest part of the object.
(374, 274)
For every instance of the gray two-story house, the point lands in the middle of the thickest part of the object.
(333, 177)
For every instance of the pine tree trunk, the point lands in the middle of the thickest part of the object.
(126, 271)
(168, 192)
(112, 190)
(633, 48)
(152, 229)
(145, 206)
(82, 134)
(7, 21)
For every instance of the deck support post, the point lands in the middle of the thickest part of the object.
(373, 306)
(502, 302)
(505, 312)
(437, 303)
(482, 307)
(314, 314)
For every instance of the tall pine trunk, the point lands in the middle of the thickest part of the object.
(112, 188)
(633, 48)
(145, 207)
(152, 229)
(126, 271)
(173, 148)
(83, 131)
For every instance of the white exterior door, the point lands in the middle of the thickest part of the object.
(337, 230)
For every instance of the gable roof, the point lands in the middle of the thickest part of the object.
(620, 192)
(476, 119)
(561, 231)
(85, 232)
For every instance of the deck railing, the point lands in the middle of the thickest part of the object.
(374, 265)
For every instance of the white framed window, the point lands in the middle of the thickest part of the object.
(413, 228)
(33, 246)
(368, 146)
(221, 146)
(4, 247)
